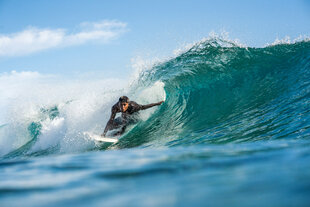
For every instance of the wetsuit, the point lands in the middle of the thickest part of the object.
(126, 117)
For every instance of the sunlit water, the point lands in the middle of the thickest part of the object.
(234, 130)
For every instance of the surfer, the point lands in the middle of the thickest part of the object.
(127, 108)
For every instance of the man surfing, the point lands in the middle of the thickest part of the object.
(127, 108)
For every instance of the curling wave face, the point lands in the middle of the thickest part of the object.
(229, 94)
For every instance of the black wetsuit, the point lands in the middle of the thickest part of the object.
(126, 117)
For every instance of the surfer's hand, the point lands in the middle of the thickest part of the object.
(103, 135)
(159, 103)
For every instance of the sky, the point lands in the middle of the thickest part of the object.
(106, 38)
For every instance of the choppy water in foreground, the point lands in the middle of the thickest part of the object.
(234, 130)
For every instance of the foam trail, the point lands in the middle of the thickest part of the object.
(49, 112)
(28, 97)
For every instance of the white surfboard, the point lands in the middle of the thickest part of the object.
(100, 138)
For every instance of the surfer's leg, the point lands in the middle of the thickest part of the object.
(121, 131)
(116, 123)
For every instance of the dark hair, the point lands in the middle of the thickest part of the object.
(123, 99)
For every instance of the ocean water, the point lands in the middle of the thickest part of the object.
(234, 130)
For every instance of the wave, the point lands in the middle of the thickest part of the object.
(216, 92)
(219, 92)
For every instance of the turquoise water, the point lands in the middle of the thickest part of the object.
(234, 130)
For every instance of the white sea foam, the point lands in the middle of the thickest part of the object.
(288, 40)
(222, 38)
(83, 105)
(51, 133)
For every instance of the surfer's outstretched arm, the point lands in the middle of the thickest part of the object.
(143, 107)
(110, 122)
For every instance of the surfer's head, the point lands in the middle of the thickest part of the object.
(124, 103)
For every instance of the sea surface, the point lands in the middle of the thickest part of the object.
(234, 130)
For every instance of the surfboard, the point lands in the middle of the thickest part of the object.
(100, 138)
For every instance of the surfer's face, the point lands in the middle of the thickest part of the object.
(124, 106)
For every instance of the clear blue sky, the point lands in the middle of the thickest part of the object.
(52, 36)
